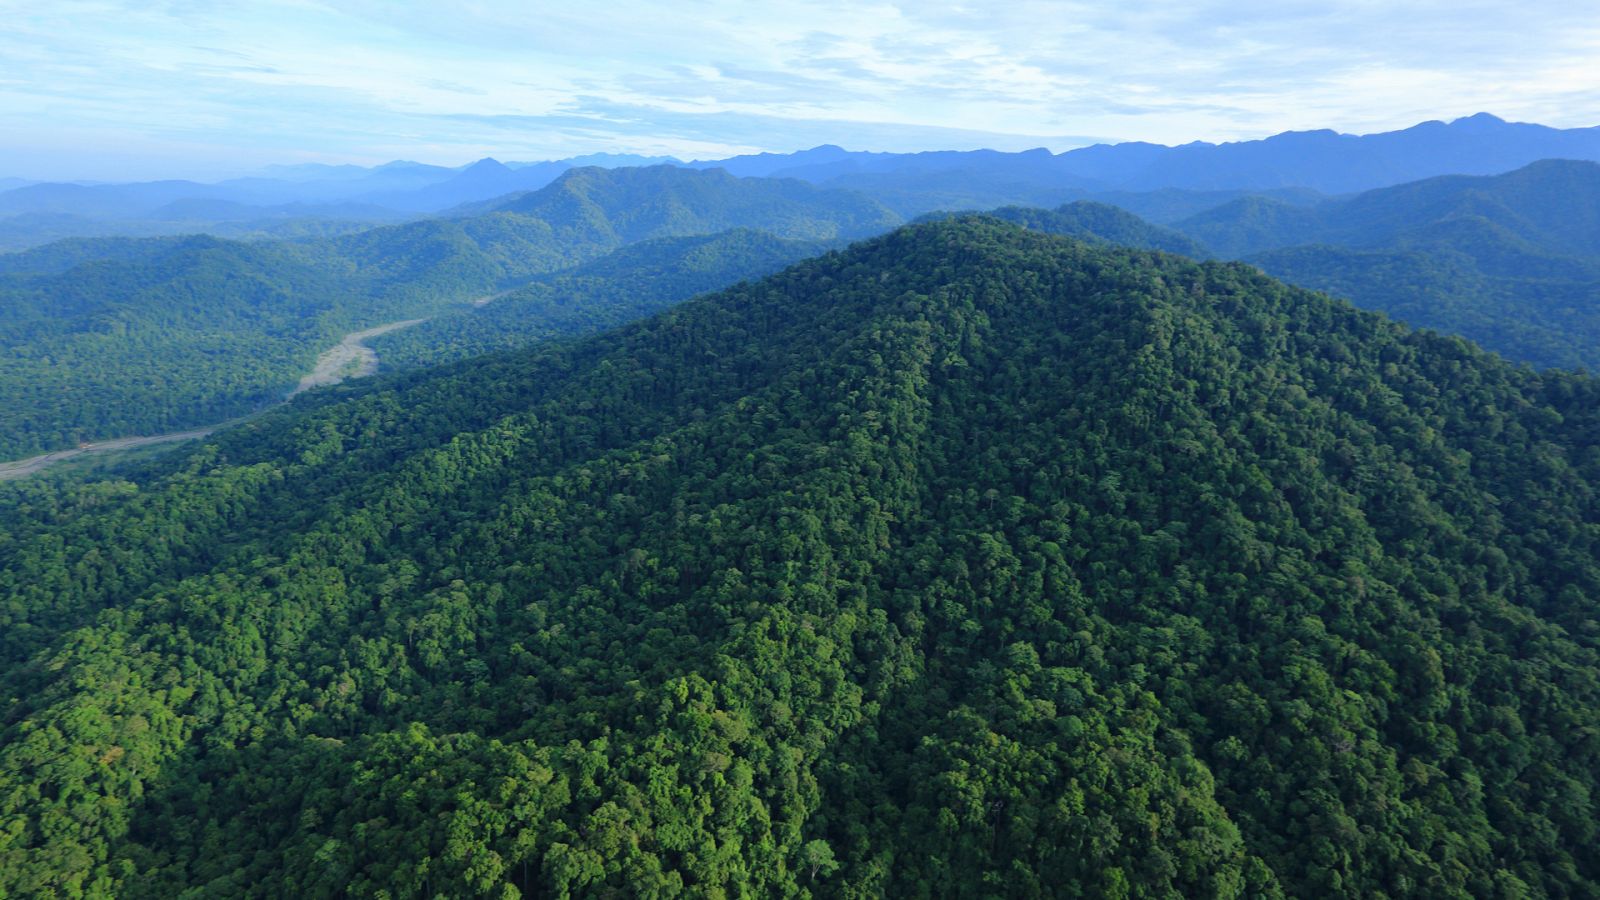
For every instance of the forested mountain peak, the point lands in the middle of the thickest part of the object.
(968, 560)
(656, 201)
(1097, 222)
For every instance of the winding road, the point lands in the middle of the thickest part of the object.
(350, 358)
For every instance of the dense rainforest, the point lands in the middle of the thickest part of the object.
(111, 337)
(967, 561)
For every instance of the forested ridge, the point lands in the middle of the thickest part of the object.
(968, 561)
(630, 283)
(1510, 261)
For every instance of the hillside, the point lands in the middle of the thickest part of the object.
(1554, 204)
(967, 561)
(1511, 261)
(1099, 222)
(630, 283)
(627, 205)
(108, 338)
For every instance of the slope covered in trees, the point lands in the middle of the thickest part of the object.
(968, 561)
(1510, 261)
(627, 284)
(1090, 221)
(621, 206)
(109, 338)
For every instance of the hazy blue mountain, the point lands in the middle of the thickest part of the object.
(114, 200)
(1339, 163)
(29, 230)
(1138, 176)
(1554, 204)
(1324, 161)
(483, 179)
(627, 205)
(398, 171)
(609, 161)
(760, 165)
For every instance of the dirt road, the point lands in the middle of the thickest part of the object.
(349, 359)
(25, 467)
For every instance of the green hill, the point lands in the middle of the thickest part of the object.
(968, 561)
(622, 206)
(1098, 222)
(1510, 261)
(1554, 204)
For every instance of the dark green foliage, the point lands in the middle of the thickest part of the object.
(1543, 319)
(966, 562)
(628, 284)
(1089, 221)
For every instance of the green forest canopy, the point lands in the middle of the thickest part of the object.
(967, 561)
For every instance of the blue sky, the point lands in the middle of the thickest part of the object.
(106, 89)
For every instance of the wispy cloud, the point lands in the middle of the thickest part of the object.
(210, 87)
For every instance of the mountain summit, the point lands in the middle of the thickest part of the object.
(966, 561)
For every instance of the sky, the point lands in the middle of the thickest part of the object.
(100, 89)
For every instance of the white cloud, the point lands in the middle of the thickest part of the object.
(363, 80)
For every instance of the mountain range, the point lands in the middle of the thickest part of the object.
(108, 338)
(1322, 162)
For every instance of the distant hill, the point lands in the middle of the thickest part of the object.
(628, 205)
(965, 562)
(1321, 161)
(1338, 163)
(1158, 182)
(106, 339)
(1511, 261)
(1554, 204)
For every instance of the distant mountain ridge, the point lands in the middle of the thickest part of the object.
(1321, 161)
